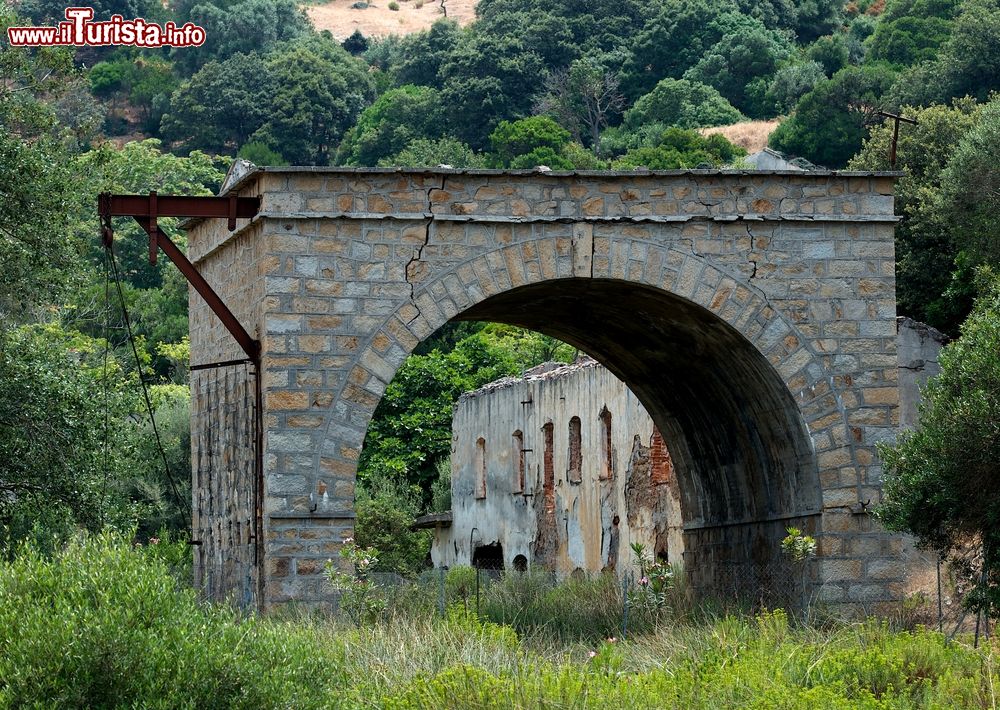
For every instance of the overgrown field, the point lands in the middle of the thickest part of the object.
(106, 625)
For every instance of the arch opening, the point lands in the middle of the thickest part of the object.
(740, 449)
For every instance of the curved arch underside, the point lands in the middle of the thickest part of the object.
(741, 449)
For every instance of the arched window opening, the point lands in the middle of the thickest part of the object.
(517, 456)
(575, 472)
(480, 468)
(607, 451)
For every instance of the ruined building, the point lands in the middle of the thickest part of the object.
(561, 468)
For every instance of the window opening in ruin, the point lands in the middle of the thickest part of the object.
(607, 453)
(520, 563)
(575, 473)
(661, 465)
(480, 468)
(488, 556)
(549, 481)
(517, 454)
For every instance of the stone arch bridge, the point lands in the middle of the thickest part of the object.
(752, 313)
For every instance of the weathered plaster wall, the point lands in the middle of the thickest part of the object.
(594, 520)
(753, 314)
(919, 346)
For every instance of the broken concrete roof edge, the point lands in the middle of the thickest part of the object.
(550, 370)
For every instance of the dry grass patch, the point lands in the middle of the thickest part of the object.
(751, 135)
(380, 20)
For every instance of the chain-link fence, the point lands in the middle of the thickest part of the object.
(573, 604)
(941, 593)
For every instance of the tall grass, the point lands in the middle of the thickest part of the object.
(101, 624)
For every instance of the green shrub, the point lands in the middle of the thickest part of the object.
(101, 624)
(394, 6)
(681, 103)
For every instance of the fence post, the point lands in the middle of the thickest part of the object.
(940, 604)
(624, 605)
(441, 570)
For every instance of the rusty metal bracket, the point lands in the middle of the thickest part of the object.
(895, 133)
(146, 209)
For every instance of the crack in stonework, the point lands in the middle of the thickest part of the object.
(593, 252)
(418, 255)
(749, 260)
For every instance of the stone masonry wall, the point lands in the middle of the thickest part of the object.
(349, 270)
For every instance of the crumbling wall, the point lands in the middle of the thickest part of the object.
(652, 498)
(918, 346)
(582, 505)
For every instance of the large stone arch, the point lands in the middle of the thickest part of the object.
(753, 320)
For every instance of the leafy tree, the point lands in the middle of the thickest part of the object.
(792, 82)
(736, 60)
(935, 476)
(830, 122)
(37, 250)
(411, 427)
(242, 27)
(546, 33)
(317, 96)
(594, 27)
(681, 103)
(967, 64)
(156, 295)
(673, 41)
(56, 471)
(385, 513)
(222, 105)
(971, 57)
(529, 347)
(356, 44)
(425, 153)
(161, 499)
(395, 120)
(538, 136)
(928, 285)
(831, 52)
(260, 154)
(970, 188)
(541, 157)
(47, 12)
(151, 82)
(487, 80)
(911, 31)
(30, 84)
(422, 55)
(108, 79)
(815, 18)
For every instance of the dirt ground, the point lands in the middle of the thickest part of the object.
(377, 20)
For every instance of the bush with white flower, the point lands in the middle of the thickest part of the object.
(656, 579)
(360, 598)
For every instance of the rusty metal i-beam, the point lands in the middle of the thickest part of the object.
(145, 209)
